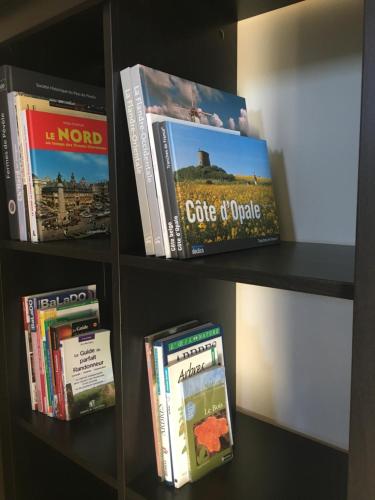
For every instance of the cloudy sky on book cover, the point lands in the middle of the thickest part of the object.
(176, 97)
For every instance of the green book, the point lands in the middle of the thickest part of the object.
(207, 419)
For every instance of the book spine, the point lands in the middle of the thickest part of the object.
(160, 251)
(65, 396)
(163, 418)
(29, 356)
(52, 370)
(17, 167)
(160, 165)
(44, 320)
(154, 408)
(60, 404)
(29, 182)
(7, 155)
(32, 308)
(179, 456)
(173, 193)
(137, 161)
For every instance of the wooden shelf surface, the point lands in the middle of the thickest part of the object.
(98, 250)
(89, 441)
(315, 268)
(270, 463)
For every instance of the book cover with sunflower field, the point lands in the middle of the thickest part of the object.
(221, 187)
(207, 420)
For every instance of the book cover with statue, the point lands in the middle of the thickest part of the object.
(207, 421)
(68, 175)
(220, 190)
(87, 373)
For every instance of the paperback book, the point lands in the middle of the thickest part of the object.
(175, 374)
(157, 424)
(87, 373)
(207, 420)
(31, 304)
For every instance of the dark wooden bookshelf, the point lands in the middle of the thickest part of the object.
(303, 267)
(89, 442)
(86, 249)
(269, 463)
(111, 454)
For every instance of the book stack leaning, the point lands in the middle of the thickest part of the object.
(68, 354)
(204, 186)
(54, 150)
(189, 401)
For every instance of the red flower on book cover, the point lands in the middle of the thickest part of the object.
(208, 433)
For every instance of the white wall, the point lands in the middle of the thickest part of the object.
(300, 71)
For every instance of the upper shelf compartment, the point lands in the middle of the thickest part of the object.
(314, 268)
(18, 18)
(250, 8)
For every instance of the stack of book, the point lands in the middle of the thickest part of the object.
(54, 148)
(68, 354)
(204, 186)
(189, 401)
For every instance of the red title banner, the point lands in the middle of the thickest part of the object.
(66, 133)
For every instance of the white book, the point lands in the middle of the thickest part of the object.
(175, 374)
(160, 249)
(87, 373)
(24, 134)
(17, 165)
(135, 144)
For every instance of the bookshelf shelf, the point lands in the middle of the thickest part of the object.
(89, 250)
(270, 463)
(89, 442)
(304, 267)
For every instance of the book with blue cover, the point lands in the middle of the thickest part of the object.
(220, 188)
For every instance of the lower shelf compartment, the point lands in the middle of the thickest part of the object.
(270, 464)
(88, 441)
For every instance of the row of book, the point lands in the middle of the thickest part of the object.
(189, 401)
(68, 354)
(54, 149)
(204, 185)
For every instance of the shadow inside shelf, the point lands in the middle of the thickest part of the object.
(269, 464)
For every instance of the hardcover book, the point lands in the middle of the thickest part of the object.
(87, 373)
(69, 164)
(207, 420)
(220, 186)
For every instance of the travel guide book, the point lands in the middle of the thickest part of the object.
(68, 180)
(175, 374)
(87, 373)
(149, 93)
(207, 421)
(219, 188)
(59, 93)
(149, 342)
